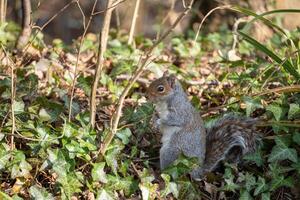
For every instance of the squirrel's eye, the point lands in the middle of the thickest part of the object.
(160, 88)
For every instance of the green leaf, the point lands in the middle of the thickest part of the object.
(98, 172)
(250, 181)
(266, 196)
(112, 154)
(276, 110)
(261, 186)
(282, 153)
(5, 156)
(19, 107)
(281, 181)
(283, 141)
(255, 157)
(285, 63)
(294, 111)
(44, 116)
(245, 195)
(20, 168)
(181, 166)
(170, 187)
(104, 195)
(39, 193)
(251, 104)
(230, 185)
(69, 184)
(128, 185)
(296, 138)
(124, 135)
(5, 196)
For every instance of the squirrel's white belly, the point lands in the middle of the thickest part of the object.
(167, 133)
(162, 110)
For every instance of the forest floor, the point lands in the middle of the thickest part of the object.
(54, 157)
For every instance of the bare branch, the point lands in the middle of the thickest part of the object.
(26, 28)
(110, 7)
(133, 22)
(48, 22)
(3, 7)
(78, 55)
(100, 59)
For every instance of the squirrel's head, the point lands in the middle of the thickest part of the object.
(161, 88)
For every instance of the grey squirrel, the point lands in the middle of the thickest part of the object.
(183, 129)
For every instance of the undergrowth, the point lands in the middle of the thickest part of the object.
(54, 157)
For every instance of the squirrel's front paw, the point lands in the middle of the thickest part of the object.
(155, 122)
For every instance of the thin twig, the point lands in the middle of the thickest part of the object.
(165, 18)
(211, 11)
(82, 13)
(285, 89)
(111, 7)
(12, 99)
(133, 22)
(143, 63)
(78, 56)
(235, 28)
(41, 28)
(100, 59)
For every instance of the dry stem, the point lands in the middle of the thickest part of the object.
(100, 59)
(133, 22)
(85, 26)
(12, 98)
(26, 28)
(140, 69)
(3, 7)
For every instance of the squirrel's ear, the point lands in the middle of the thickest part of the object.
(171, 80)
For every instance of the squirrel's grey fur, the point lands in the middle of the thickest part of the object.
(183, 130)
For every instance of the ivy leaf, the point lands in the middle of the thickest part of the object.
(128, 184)
(124, 135)
(281, 181)
(112, 154)
(98, 172)
(181, 166)
(40, 193)
(283, 141)
(43, 115)
(250, 181)
(276, 110)
(19, 107)
(69, 184)
(255, 157)
(282, 153)
(5, 156)
(230, 185)
(296, 166)
(103, 195)
(266, 196)
(251, 104)
(296, 138)
(261, 186)
(294, 111)
(21, 168)
(170, 187)
(244, 194)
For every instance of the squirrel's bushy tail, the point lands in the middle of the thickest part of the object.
(228, 139)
